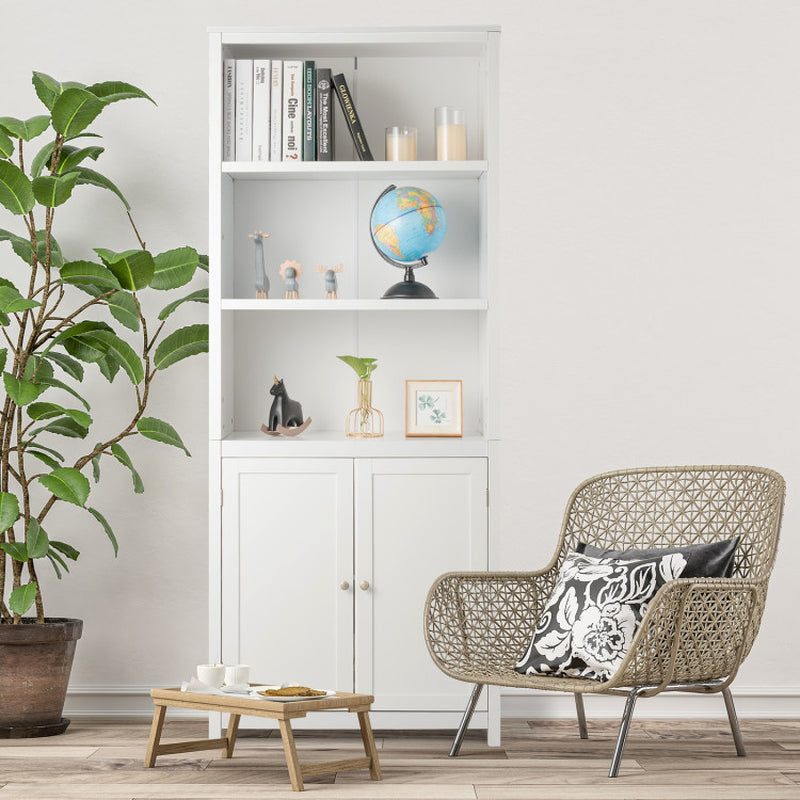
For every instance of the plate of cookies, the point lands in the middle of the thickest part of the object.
(289, 692)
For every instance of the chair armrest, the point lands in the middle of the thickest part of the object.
(475, 621)
(695, 629)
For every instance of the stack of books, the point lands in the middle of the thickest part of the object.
(282, 110)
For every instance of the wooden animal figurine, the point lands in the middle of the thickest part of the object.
(290, 272)
(331, 284)
(262, 281)
(284, 412)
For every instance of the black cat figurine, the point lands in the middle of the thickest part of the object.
(284, 412)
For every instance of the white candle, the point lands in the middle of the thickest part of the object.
(401, 143)
(451, 134)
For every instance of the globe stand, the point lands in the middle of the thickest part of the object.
(409, 288)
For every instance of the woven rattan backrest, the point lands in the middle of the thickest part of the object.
(669, 506)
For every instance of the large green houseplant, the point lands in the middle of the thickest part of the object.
(56, 316)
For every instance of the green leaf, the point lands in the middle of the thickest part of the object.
(25, 129)
(30, 446)
(64, 426)
(67, 484)
(174, 268)
(363, 367)
(11, 301)
(54, 383)
(23, 597)
(123, 354)
(111, 91)
(36, 540)
(16, 550)
(9, 510)
(200, 296)
(109, 367)
(55, 560)
(21, 392)
(3, 357)
(92, 178)
(72, 367)
(184, 342)
(75, 110)
(42, 160)
(134, 268)
(119, 453)
(106, 527)
(39, 411)
(16, 192)
(155, 429)
(22, 247)
(48, 89)
(53, 190)
(45, 459)
(6, 145)
(123, 308)
(96, 464)
(72, 156)
(37, 368)
(80, 272)
(203, 263)
(80, 342)
(68, 550)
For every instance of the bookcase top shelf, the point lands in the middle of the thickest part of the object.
(353, 170)
(465, 304)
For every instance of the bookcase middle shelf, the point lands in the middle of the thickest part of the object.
(353, 170)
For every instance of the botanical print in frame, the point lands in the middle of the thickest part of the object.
(433, 408)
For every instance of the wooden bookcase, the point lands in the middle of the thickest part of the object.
(289, 503)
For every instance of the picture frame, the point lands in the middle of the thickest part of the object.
(434, 408)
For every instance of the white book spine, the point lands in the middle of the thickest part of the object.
(229, 110)
(244, 109)
(261, 86)
(292, 111)
(276, 112)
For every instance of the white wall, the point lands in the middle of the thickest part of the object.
(650, 208)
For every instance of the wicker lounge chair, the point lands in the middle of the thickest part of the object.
(696, 631)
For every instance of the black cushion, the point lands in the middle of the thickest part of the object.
(713, 560)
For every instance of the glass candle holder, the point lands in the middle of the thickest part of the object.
(401, 143)
(364, 422)
(451, 133)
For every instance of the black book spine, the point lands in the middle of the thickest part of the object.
(351, 117)
(309, 111)
(324, 116)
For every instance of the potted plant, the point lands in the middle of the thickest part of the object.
(59, 316)
(364, 421)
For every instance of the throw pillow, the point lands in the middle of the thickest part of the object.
(714, 560)
(590, 619)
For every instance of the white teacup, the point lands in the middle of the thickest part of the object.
(236, 674)
(211, 674)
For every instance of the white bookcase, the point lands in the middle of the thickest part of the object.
(344, 536)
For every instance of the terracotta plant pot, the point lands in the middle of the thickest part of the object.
(36, 662)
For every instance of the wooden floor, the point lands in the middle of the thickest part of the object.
(539, 760)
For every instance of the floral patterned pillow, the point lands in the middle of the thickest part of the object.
(592, 615)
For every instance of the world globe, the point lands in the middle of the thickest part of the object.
(407, 224)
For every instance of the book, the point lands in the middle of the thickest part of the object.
(309, 111)
(261, 88)
(276, 112)
(244, 109)
(229, 110)
(351, 118)
(292, 111)
(324, 115)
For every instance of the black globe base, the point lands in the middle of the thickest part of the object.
(409, 289)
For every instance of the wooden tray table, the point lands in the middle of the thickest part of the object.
(284, 712)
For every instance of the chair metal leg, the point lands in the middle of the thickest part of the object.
(581, 715)
(462, 728)
(624, 725)
(734, 721)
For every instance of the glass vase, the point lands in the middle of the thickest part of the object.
(364, 421)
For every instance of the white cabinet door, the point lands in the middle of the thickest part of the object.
(415, 519)
(287, 549)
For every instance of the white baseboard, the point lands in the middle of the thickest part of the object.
(760, 701)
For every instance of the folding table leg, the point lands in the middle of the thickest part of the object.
(369, 745)
(155, 736)
(292, 762)
(230, 735)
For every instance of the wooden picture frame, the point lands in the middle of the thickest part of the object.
(434, 408)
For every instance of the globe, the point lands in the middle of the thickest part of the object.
(407, 224)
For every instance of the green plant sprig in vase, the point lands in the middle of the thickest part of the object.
(364, 421)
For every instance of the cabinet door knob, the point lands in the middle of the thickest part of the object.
(344, 585)
(364, 585)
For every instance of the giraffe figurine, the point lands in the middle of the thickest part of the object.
(331, 284)
(262, 281)
(290, 272)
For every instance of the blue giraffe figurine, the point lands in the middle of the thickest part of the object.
(262, 281)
